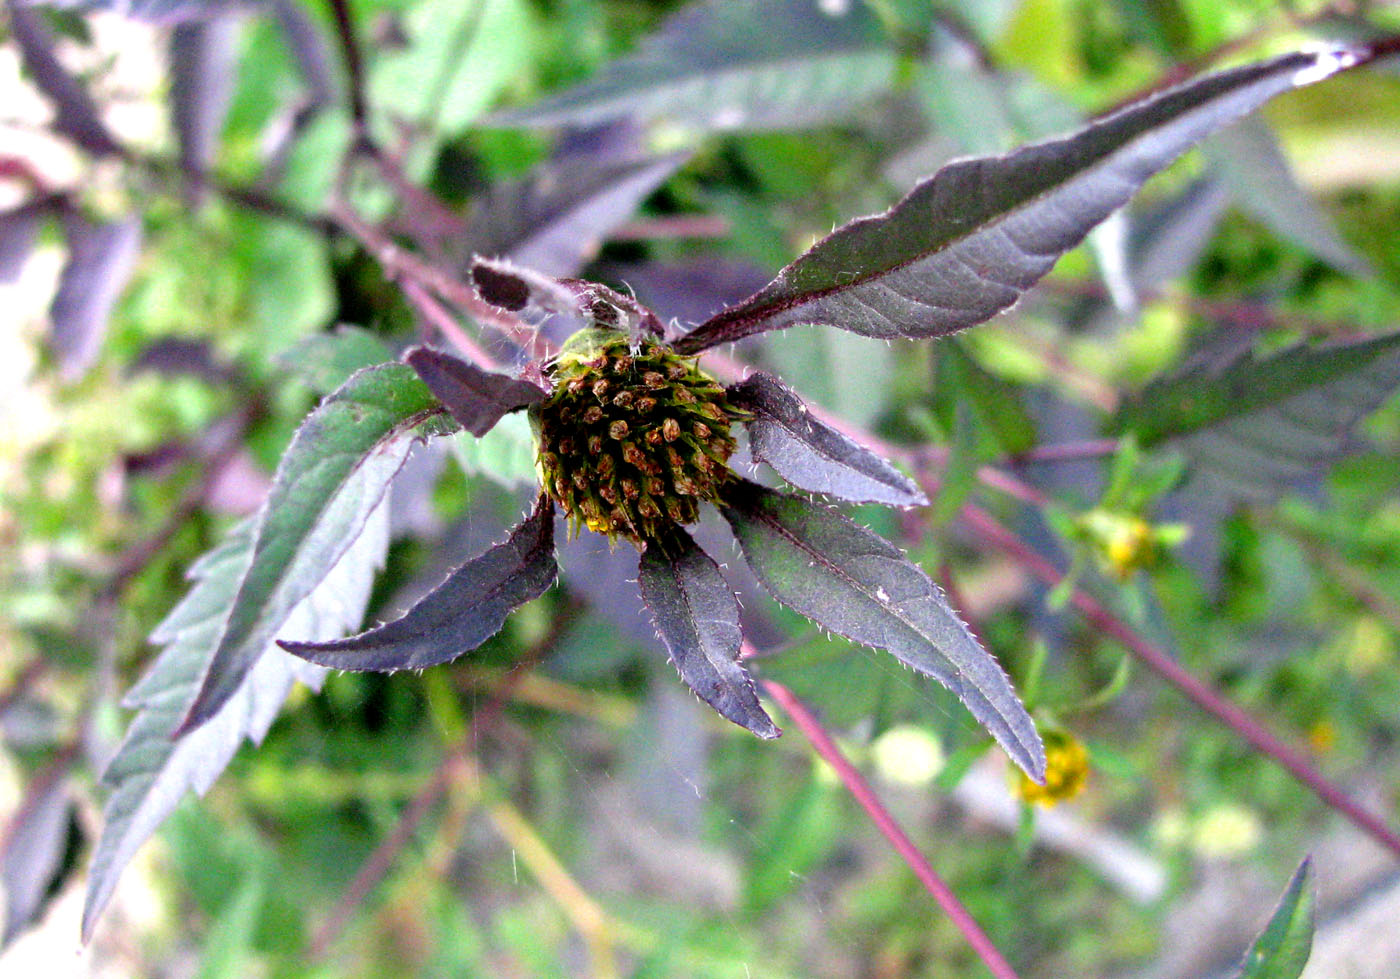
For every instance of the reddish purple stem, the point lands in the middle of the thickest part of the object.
(1199, 693)
(860, 789)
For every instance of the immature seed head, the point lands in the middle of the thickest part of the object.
(608, 434)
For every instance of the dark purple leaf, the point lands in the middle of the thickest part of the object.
(18, 228)
(76, 115)
(556, 219)
(176, 356)
(692, 290)
(202, 58)
(812, 455)
(101, 258)
(1253, 426)
(966, 243)
(512, 287)
(31, 849)
(476, 398)
(697, 617)
(460, 614)
(857, 584)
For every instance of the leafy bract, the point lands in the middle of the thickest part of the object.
(458, 615)
(859, 585)
(1255, 426)
(330, 479)
(75, 113)
(32, 849)
(722, 65)
(476, 398)
(966, 243)
(697, 617)
(812, 455)
(203, 57)
(1282, 949)
(515, 288)
(154, 767)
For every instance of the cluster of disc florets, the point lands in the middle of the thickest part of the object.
(633, 437)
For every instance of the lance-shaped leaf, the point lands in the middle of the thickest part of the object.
(556, 219)
(859, 585)
(476, 398)
(1256, 426)
(203, 57)
(76, 115)
(758, 65)
(101, 258)
(1262, 182)
(968, 242)
(154, 768)
(32, 848)
(152, 11)
(1282, 949)
(330, 479)
(813, 455)
(458, 615)
(697, 617)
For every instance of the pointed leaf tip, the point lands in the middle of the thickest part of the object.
(476, 398)
(458, 615)
(845, 578)
(811, 454)
(697, 617)
(968, 242)
(1284, 946)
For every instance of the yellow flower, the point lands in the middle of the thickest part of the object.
(1066, 770)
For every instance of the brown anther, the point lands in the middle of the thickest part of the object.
(623, 399)
(623, 364)
(685, 486)
(648, 508)
(595, 445)
(654, 380)
(646, 404)
(653, 437)
(701, 430)
(633, 455)
(677, 371)
(580, 479)
(608, 493)
(630, 490)
(577, 384)
(654, 486)
(685, 396)
(566, 445)
(593, 415)
(604, 465)
(561, 487)
(617, 430)
(671, 429)
(712, 410)
(675, 511)
(600, 387)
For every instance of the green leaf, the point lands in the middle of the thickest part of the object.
(459, 57)
(697, 616)
(1262, 183)
(154, 767)
(1282, 949)
(458, 615)
(330, 479)
(995, 401)
(859, 585)
(969, 241)
(811, 454)
(720, 65)
(1257, 425)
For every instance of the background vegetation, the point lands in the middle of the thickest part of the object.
(189, 270)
